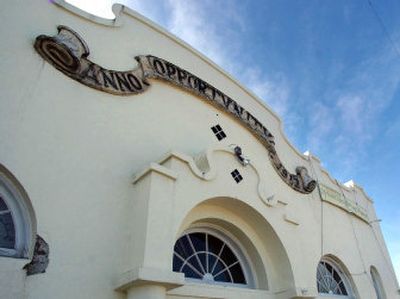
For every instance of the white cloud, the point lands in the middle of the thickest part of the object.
(190, 22)
(351, 117)
(212, 35)
(100, 8)
(200, 24)
(275, 91)
(354, 114)
(346, 119)
(216, 36)
(322, 122)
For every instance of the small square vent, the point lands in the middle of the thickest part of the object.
(237, 176)
(219, 133)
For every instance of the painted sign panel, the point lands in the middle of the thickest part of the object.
(338, 199)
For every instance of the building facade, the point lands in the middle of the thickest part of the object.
(133, 167)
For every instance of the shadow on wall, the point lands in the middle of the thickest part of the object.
(262, 249)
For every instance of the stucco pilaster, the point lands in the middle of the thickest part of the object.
(148, 273)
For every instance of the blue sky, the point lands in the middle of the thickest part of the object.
(330, 69)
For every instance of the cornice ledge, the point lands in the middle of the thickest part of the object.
(351, 184)
(200, 167)
(347, 186)
(154, 167)
(144, 275)
(203, 166)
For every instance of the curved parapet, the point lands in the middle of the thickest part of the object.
(68, 52)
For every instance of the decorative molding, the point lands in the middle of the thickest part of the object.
(270, 201)
(204, 167)
(339, 200)
(40, 259)
(154, 167)
(292, 219)
(68, 52)
(144, 275)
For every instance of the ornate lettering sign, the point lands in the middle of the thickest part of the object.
(339, 200)
(68, 52)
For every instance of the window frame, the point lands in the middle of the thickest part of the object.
(234, 245)
(377, 283)
(344, 277)
(17, 201)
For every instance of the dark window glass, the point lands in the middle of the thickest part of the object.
(203, 261)
(228, 256)
(218, 132)
(237, 274)
(223, 277)
(342, 288)
(212, 260)
(194, 261)
(217, 267)
(177, 263)
(329, 280)
(214, 244)
(206, 257)
(221, 135)
(236, 176)
(216, 129)
(183, 248)
(189, 272)
(199, 241)
(336, 276)
(3, 205)
(7, 231)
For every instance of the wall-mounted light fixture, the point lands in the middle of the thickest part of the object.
(239, 154)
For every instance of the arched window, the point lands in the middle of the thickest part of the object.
(17, 224)
(209, 256)
(332, 280)
(7, 228)
(377, 282)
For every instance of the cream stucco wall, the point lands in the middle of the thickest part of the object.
(114, 181)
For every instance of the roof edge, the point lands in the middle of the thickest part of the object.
(119, 10)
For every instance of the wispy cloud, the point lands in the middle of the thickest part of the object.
(323, 123)
(275, 91)
(215, 35)
(355, 114)
(190, 22)
(218, 37)
(352, 119)
(336, 99)
(349, 108)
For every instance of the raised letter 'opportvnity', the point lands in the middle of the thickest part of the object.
(68, 52)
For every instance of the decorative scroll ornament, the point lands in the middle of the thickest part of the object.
(68, 52)
(40, 259)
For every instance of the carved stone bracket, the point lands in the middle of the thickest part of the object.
(40, 259)
(68, 52)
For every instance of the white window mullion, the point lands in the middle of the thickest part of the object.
(226, 269)
(207, 255)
